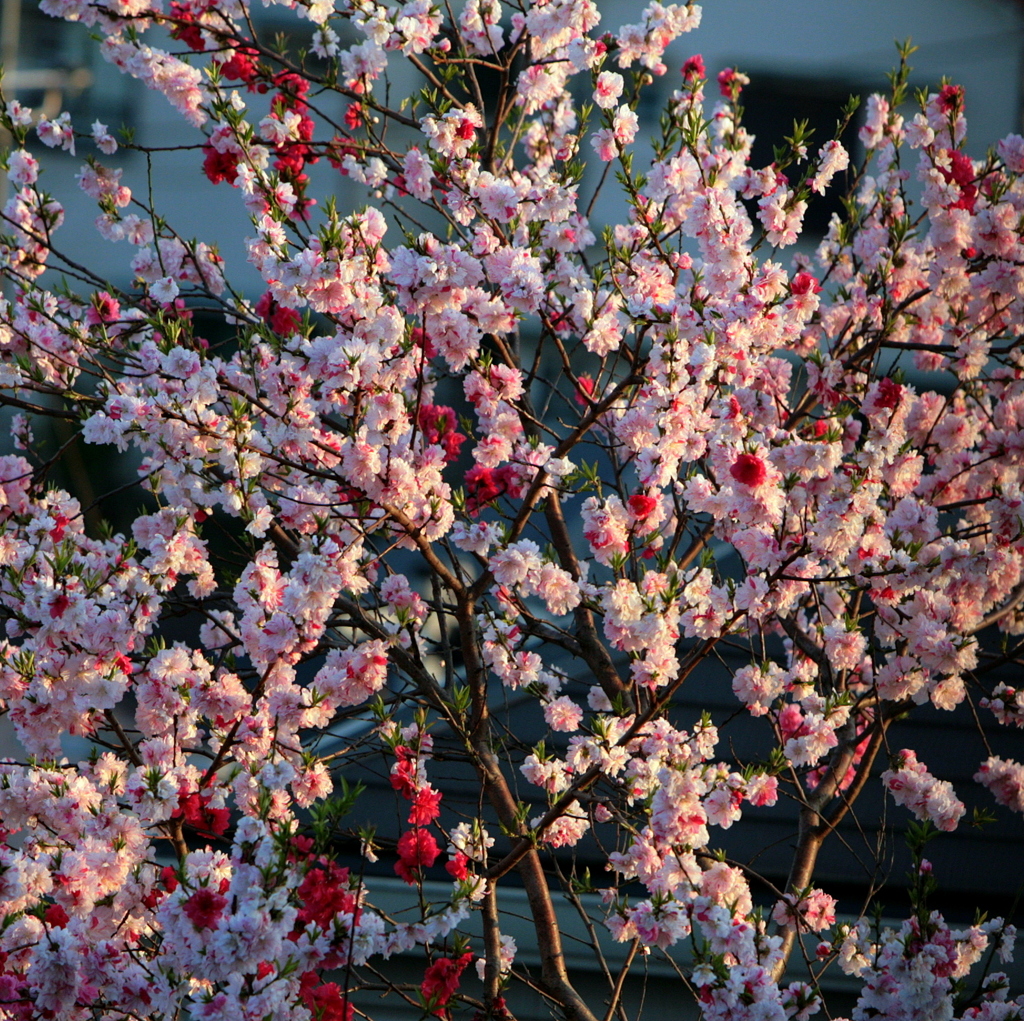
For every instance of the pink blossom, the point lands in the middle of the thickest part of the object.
(424, 475)
(913, 786)
(57, 133)
(22, 168)
(1005, 779)
(104, 141)
(833, 159)
(562, 714)
(815, 910)
(608, 89)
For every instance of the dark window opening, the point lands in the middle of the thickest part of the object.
(53, 66)
(771, 104)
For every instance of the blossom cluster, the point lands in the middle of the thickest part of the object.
(460, 466)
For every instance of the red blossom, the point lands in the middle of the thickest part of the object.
(426, 807)
(302, 846)
(324, 893)
(293, 87)
(693, 69)
(804, 283)
(404, 774)
(438, 424)
(195, 810)
(55, 916)
(241, 66)
(353, 116)
(205, 907)
(283, 321)
(729, 83)
(441, 981)
(185, 27)
(103, 309)
(60, 523)
(749, 470)
(417, 850)
(586, 386)
(338, 149)
(889, 394)
(961, 172)
(325, 1001)
(457, 867)
(642, 506)
(951, 98)
(219, 166)
(485, 485)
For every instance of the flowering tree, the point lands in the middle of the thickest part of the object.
(637, 411)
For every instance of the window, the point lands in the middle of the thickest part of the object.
(53, 65)
(772, 103)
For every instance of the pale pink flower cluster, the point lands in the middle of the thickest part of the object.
(912, 786)
(912, 971)
(1005, 780)
(814, 910)
(520, 567)
(703, 455)
(1006, 704)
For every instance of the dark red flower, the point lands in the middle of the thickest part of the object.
(185, 27)
(586, 386)
(438, 424)
(353, 116)
(326, 1002)
(292, 88)
(694, 68)
(303, 845)
(205, 907)
(642, 506)
(324, 893)
(403, 773)
(242, 66)
(195, 810)
(417, 850)
(889, 393)
(56, 916)
(457, 867)
(961, 172)
(283, 321)
(803, 283)
(426, 807)
(441, 980)
(219, 166)
(729, 83)
(749, 470)
(951, 98)
(484, 485)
